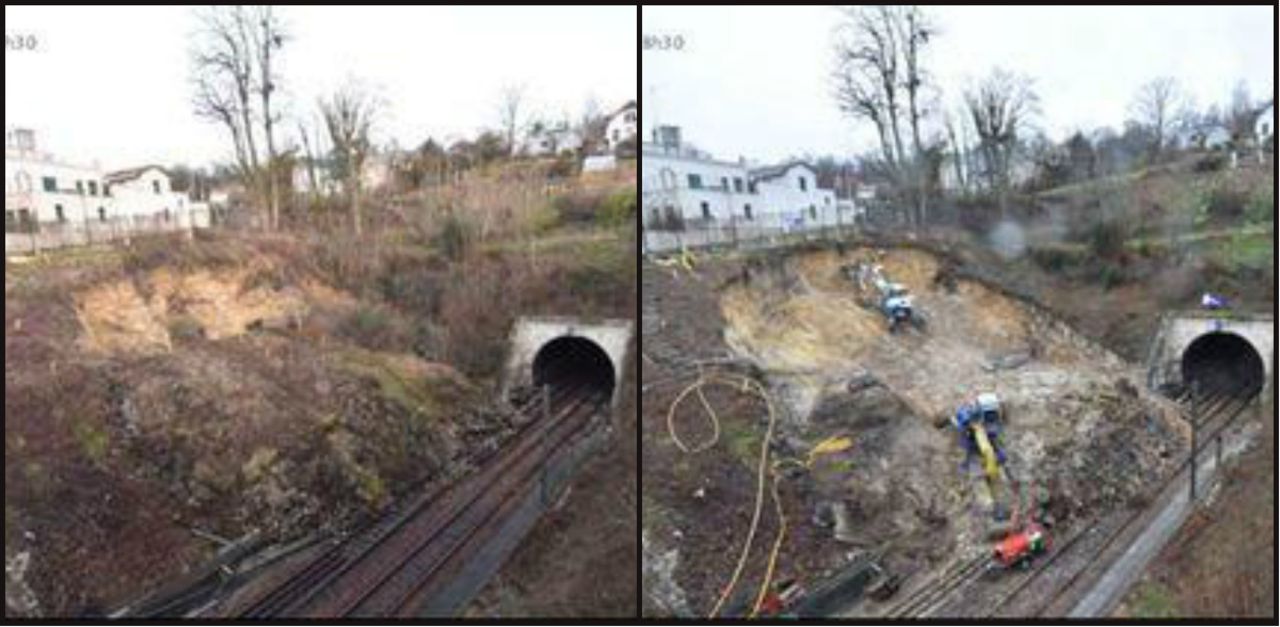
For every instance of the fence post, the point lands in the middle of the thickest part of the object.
(546, 401)
(1195, 412)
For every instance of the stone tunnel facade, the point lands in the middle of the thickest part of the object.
(534, 338)
(1233, 346)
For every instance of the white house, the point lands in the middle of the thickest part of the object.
(1264, 128)
(543, 141)
(621, 127)
(41, 189)
(684, 185)
(144, 192)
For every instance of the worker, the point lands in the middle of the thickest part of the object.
(981, 413)
(1212, 301)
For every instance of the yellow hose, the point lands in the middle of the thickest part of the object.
(747, 385)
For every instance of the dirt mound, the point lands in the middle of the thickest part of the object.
(143, 315)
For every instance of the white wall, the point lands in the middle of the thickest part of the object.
(783, 195)
(24, 188)
(139, 197)
(665, 181)
(621, 128)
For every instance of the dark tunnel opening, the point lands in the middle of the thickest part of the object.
(1223, 362)
(567, 363)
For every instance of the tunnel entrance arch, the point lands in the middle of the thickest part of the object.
(1223, 361)
(551, 349)
(1210, 347)
(574, 362)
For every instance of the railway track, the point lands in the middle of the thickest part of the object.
(932, 594)
(1212, 412)
(413, 562)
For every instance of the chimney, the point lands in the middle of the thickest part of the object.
(22, 139)
(667, 138)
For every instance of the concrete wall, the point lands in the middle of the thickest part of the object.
(533, 333)
(1178, 330)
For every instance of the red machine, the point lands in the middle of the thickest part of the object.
(1020, 547)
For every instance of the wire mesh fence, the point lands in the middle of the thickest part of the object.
(24, 238)
(671, 232)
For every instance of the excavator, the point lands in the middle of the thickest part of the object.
(890, 298)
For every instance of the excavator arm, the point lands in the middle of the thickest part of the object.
(990, 463)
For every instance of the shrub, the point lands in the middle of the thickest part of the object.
(1054, 258)
(1210, 163)
(1109, 275)
(454, 238)
(618, 209)
(376, 329)
(579, 207)
(1106, 238)
(1227, 203)
(1262, 205)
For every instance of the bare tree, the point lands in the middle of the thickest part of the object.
(1242, 114)
(213, 101)
(234, 61)
(310, 157)
(510, 110)
(1159, 106)
(267, 37)
(915, 33)
(878, 52)
(348, 115)
(1000, 107)
(590, 124)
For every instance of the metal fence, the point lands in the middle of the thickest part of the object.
(760, 230)
(30, 238)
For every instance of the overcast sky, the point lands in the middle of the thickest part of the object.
(753, 81)
(113, 83)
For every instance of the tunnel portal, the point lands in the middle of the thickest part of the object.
(568, 363)
(1223, 362)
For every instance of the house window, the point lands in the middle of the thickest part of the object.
(106, 190)
(62, 214)
(706, 210)
(166, 214)
(102, 214)
(631, 117)
(737, 184)
(804, 185)
(746, 210)
(50, 184)
(724, 183)
(93, 188)
(155, 185)
(751, 187)
(10, 221)
(813, 211)
(695, 181)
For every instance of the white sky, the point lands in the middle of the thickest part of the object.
(113, 83)
(753, 81)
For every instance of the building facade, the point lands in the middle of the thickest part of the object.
(683, 186)
(621, 127)
(45, 192)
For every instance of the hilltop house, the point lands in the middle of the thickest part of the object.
(544, 140)
(621, 127)
(1264, 128)
(683, 185)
